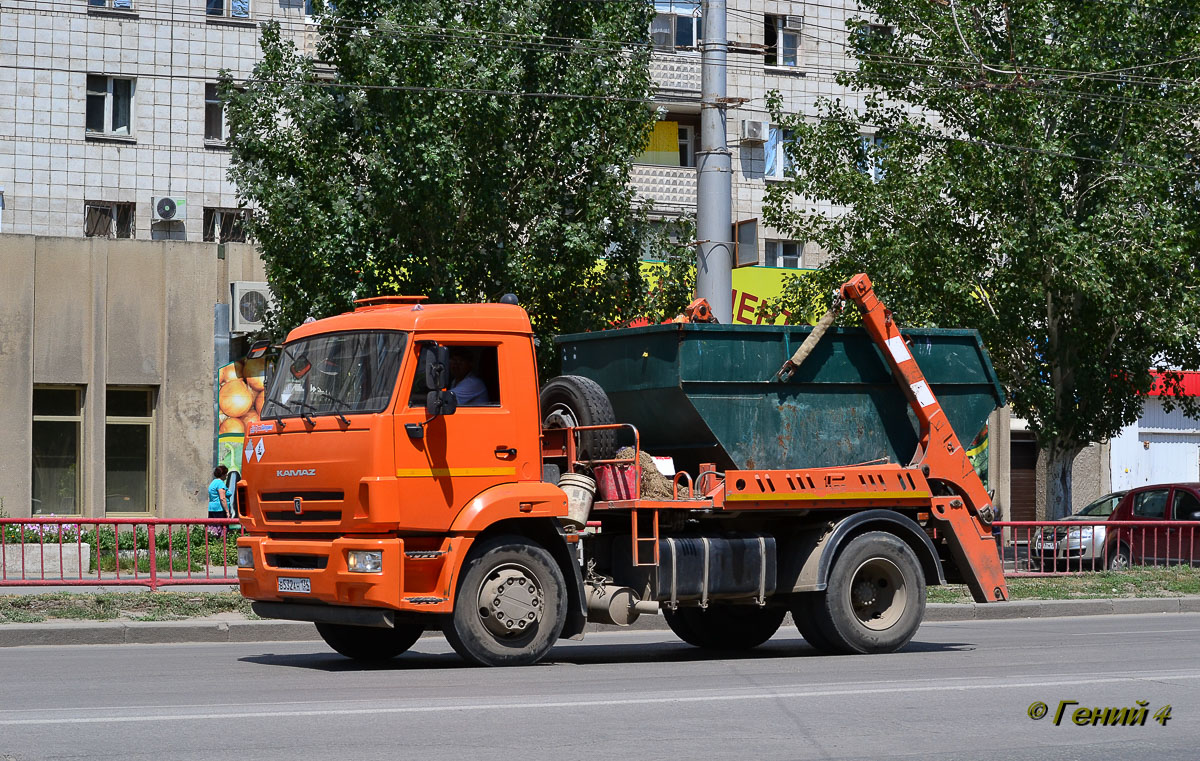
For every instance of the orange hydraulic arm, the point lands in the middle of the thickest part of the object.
(940, 456)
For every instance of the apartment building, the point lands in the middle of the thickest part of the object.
(110, 125)
(796, 48)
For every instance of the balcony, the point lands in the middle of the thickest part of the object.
(671, 188)
(675, 73)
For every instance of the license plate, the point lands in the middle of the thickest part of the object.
(295, 585)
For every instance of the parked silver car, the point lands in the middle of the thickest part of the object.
(1075, 546)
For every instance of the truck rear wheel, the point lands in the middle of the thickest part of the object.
(725, 627)
(571, 400)
(511, 604)
(805, 612)
(875, 598)
(369, 644)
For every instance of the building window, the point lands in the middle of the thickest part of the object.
(109, 105)
(670, 144)
(225, 225)
(120, 5)
(228, 8)
(215, 127)
(104, 219)
(129, 450)
(782, 40)
(874, 34)
(784, 253)
(776, 161)
(871, 162)
(676, 26)
(57, 450)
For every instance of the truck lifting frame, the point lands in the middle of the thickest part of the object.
(939, 482)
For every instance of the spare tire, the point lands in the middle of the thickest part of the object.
(572, 400)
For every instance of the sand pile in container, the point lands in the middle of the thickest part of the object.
(654, 484)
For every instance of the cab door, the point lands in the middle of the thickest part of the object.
(444, 462)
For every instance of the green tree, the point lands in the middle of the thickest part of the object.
(459, 150)
(1029, 170)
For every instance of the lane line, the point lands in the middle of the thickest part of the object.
(610, 703)
(1143, 631)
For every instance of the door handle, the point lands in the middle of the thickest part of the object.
(506, 452)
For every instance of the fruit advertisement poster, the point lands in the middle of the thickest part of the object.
(240, 399)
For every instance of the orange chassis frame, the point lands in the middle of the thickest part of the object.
(961, 513)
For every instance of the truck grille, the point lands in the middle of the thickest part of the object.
(307, 496)
(308, 516)
(297, 562)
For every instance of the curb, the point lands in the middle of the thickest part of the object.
(201, 631)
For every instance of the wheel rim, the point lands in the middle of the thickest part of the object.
(511, 601)
(1120, 561)
(561, 416)
(878, 594)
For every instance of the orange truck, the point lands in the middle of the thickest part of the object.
(409, 474)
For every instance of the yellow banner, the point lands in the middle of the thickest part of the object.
(663, 148)
(751, 287)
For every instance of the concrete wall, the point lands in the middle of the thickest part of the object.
(96, 313)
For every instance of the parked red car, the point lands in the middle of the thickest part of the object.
(1156, 544)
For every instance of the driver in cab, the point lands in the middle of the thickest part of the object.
(468, 389)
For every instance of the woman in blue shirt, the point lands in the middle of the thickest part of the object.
(218, 506)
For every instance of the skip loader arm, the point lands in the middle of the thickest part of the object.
(965, 512)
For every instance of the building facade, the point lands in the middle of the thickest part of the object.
(110, 125)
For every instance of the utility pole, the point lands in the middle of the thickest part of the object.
(714, 186)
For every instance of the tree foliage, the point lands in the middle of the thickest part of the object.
(458, 150)
(1032, 174)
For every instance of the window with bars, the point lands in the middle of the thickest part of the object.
(109, 105)
(107, 219)
(225, 225)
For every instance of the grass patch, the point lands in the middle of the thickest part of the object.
(106, 606)
(1137, 582)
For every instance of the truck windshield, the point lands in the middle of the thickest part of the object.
(335, 374)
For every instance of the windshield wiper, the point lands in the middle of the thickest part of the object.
(340, 405)
(279, 418)
(308, 418)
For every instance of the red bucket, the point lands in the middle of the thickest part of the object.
(617, 482)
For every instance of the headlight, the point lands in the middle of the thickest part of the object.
(365, 561)
(245, 557)
(1082, 533)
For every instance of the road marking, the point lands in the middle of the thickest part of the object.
(1140, 631)
(610, 703)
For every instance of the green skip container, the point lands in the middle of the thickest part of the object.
(706, 392)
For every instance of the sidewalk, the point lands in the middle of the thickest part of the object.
(231, 627)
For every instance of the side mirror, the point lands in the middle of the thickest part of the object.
(437, 366)
(258, 349)
(300, 367)
(440, 403)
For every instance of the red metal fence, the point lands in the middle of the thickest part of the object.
(151, 552)
(155, 552)
(1041, 548)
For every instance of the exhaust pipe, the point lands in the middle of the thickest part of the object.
(616, 606)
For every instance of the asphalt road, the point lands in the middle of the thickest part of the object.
(961, 690)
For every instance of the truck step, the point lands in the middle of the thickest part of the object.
(424, 600)
(423, 554)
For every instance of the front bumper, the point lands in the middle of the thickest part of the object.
(330, 580)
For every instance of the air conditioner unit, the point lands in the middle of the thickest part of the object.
(249, 306)
(793, 23)
(167, 209)
(754, 131)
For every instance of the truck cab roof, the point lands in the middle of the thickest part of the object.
(459, 318)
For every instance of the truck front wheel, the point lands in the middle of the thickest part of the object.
(511, 604)
(875, 598)
(368, 644)
(725, 627)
